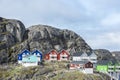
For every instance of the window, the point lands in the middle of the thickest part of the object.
(91, 65)
(64, 57)
(53, 57)
(38, 54)
(27, 53)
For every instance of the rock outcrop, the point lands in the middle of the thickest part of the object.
(116, 54)
(104, 54)
(46, 37)
(14, 38)
(11, 32)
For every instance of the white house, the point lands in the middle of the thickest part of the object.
(77, 56)
(82, 56)
(83, 66)
(93, 57)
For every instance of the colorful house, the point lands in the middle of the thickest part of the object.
(51, 56)
(105, 66)
(22, 54)
(38, 54)
(93, 57)
(29, 59)
(83, 66)
(117, 67)
(83, 56)
(63, 56)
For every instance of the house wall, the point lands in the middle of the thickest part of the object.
(79, 58)
(88, 70)
(85, 58)
(47, 57)
(30, 64)
(117, 68)
(88, 65)
(63, 57)
(111, 68)
(51, 57)
(76, 66)
(19, 61)
(102, 68)
(75, 58)
(93, 59)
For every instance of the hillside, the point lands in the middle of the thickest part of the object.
(58, 71)
(14, 38)
(116, 54)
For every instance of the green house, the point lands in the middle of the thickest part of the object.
(117, 67)
(102, 68)
(103, 65)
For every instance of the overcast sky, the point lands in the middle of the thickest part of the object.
(97, 21)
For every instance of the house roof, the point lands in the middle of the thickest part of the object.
(77, 54)
(25, 52)
(63, 51)
(37, 52)
(79, 62)
(53, 50)
(92, 55)
(84, 54)
(105, 62)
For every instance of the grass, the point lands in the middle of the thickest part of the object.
(58, 71)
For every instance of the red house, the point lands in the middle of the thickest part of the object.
(83, 66)
(63, 56)
(51, 56)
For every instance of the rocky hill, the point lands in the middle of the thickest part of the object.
(104, 54)
(116, 54)
(14, 38)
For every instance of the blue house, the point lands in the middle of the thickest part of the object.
(30, 59)
(23, 54)
(38, 54)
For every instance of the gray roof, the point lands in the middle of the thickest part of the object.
(78, 54)
(79, 62)
(105, 62)
(81, 53)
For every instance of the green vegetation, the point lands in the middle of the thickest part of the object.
(58, 71)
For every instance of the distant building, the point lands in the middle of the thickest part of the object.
(107, 66)
(63, 56)
(53, 55)
(83, 66)
(29, 59)
(102, 66)
(82, 56)
(38, 54)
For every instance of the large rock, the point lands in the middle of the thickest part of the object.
(104, 54)
(45, 37)
(13, 27)
(116, 54)
(11, 33)
(15, 38)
